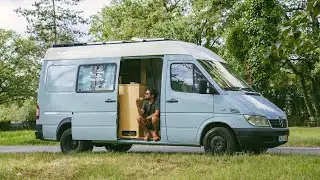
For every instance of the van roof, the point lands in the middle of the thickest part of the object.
(129, 49)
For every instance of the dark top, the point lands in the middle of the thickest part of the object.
(150, 108)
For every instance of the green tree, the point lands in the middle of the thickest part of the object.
(141, 18)
(27, 112)
(299, 51)
(42, 18)
(274, 44)
(198, 21)
(254, 28)
(19, 67)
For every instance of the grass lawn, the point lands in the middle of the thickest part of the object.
(304, 137)
(21, 138)
(299, 137)
(159, 165)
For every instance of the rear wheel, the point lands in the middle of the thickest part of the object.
(68, 145)
(118, 147)
(219, 140)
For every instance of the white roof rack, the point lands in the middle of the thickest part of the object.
(137, 39)
(139, 47)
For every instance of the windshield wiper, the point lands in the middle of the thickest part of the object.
(232, 88)
(247, 89)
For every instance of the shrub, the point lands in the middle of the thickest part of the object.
(7, 114)
(25, 113)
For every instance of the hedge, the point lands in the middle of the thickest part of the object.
(25, 114)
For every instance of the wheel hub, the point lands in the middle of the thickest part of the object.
(74, 144)
(218, 144)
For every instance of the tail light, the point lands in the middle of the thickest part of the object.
(38, 112)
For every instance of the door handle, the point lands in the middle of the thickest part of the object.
(172, 101)
(110, 101)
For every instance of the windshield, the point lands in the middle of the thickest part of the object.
(225, 76)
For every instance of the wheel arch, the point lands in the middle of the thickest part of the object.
(63, 125)
(211, 125)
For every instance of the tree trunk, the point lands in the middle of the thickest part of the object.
(316, 99)
(248, 72)
(306, 97)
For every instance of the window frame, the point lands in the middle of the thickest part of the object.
(96, 64)
(193, 70)
(46, 80)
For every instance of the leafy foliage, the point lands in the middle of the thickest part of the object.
(143, 18)
(20, 57)
(16, 112)
(19, 67)
(8, 113)
(274, 44)
(298, 51)
(41, 21)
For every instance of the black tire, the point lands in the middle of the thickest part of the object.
(219, 140)
(118, 147)
(69, 146)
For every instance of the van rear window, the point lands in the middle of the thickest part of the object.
(96, 78)
(60, 78)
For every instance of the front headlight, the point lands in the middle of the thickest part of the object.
(257, 120)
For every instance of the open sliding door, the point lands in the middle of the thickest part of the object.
(96, 98)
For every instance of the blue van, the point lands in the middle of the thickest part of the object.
(87, 94)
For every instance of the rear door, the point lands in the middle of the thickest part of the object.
(186, 109)
(95, 102)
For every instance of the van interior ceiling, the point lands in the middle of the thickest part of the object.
(135, 76)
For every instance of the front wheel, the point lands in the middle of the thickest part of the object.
(219, 140)
(68, 145)
(118, 147)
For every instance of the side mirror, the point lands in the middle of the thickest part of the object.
(204, 89)
(212, 91)
(203, 86)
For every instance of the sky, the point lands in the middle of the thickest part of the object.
(10, 20)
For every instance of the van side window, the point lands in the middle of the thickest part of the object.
(60, 78)
(95, 78)
(185, 77)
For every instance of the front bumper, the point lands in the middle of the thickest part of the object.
(260, 137)
(39, 132)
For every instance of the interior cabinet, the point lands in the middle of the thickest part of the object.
(128, 114)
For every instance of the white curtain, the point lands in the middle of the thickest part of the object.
(93, 77)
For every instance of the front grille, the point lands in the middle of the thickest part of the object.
(278, 123)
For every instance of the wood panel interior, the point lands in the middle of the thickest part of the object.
(134, 79)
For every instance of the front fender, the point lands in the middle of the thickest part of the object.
(231, 120)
